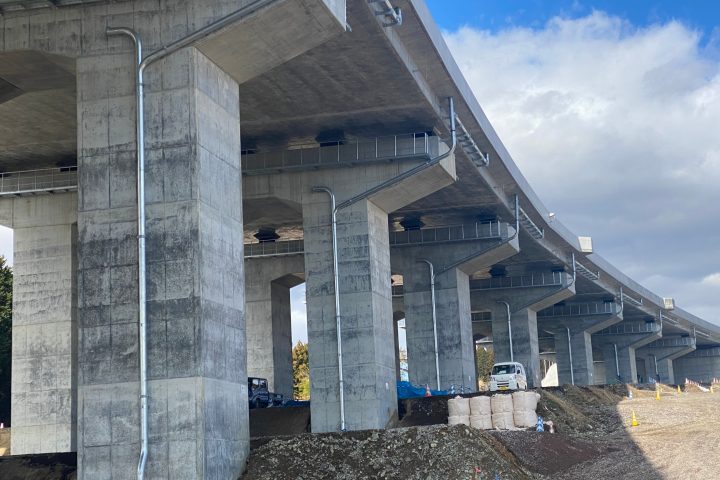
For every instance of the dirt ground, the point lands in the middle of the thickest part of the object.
(678, 437)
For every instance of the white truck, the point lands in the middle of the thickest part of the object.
(508, 376)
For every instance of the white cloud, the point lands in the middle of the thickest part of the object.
(616, 128)
(713, 280)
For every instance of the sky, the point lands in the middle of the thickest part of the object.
(612, 112)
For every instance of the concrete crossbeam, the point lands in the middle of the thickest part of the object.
(619, 350)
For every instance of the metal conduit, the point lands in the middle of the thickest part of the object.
(434, 319)
(507, 305)
(140, 66)
(572, 373)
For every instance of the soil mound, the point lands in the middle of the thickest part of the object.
(434, 452)
(51, 466)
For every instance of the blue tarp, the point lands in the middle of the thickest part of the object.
(408, 390)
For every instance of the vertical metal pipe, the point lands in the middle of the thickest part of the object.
(142, 323)
(434, 319)
(336, 280)
(507, 305)
(617, 363)
(572, 373)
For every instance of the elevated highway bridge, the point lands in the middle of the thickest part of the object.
(324, 141)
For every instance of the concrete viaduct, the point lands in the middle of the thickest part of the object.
(323, 141)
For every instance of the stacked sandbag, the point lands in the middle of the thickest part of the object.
(459, 411)
(502, 411)
(480, 413)
(524, 406)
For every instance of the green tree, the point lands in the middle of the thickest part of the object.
(6, 281)
(301, 371)
(485, 361)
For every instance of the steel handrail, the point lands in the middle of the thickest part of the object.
(38, 180)
(449, 233)
(522, 281)
(268, 249)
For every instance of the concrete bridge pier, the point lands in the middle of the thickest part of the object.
(44, 366)
(196, 324)
(524, 302)
(702, 365)
(619, 345)
(452, 263)
(660, 354)
(267, 318)
(578, 340)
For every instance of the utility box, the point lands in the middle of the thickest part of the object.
(669, 303)
(585, 244)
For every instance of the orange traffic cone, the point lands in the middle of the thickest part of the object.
(633, 420)
(427, 390)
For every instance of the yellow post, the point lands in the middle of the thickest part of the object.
(633, 420)
(657, 394)
(678, 389)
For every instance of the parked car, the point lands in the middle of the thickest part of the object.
(508, 376)
(259, 396)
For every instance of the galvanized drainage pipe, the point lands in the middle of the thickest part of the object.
(434, 319)
(140, 66)
(336, 281)
(617, 363)
(572, 373)
(507, 305)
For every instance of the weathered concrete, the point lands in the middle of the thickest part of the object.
(574, 333)
(196, 327)
(524, 304)
(44, 356)
(268, 320)
(452, 263)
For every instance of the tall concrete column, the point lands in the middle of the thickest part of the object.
(44, 346)
(454, 326)
(572, 325)
(365, 310)
(198, 418)
(269, 326)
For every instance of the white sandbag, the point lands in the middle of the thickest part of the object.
(524, 401)
(482, 422)
(525, 418)
(501, 403)
(459, 407)
(503, 421)
(480, 406)
(459, 420)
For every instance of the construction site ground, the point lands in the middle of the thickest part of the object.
(678, 437)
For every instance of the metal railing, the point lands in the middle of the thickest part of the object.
(398, 290)
(577, 309)
(452, 233)
(35, 181)
(541, 279)
(481, 317)
(411, 145)
(268, 249)
(628, 328)
(673, 342)
(624, 297)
